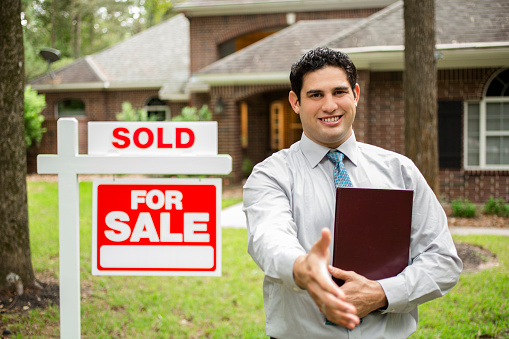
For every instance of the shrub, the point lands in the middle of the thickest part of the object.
(130, 114)
(34, 104)
(463, 208)
(194, 114)
(496, 207)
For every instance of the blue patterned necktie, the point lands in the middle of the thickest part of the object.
(341, 177)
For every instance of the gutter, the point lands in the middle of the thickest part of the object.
(219, 7)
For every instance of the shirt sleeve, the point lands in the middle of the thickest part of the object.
(435, 266)
(271, 229)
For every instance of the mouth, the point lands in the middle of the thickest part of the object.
(331, 119)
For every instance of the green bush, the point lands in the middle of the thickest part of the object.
(496, 207)
(194, 114)
(130, 114)
(463, 208)
(34, 104)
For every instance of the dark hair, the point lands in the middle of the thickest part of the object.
(318, 58)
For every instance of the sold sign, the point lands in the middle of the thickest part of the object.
(157, 227)
(152, 138)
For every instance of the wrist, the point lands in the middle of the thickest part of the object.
(299, 275)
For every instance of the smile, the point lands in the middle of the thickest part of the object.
(332, 119)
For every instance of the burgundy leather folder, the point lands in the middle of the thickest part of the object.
(372, 231)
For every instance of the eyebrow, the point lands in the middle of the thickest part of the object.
(339, 88)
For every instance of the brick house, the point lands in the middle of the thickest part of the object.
(252, 84)
(240, 53)
(149, 70)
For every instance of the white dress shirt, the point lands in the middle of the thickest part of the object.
(290, 197)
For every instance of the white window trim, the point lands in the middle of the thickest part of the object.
(166, 109)
(483, 133)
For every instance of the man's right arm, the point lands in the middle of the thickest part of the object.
(274, 246)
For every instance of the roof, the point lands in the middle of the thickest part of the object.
(475, 35)
(154, 58)
(231, 7)
(457, 21)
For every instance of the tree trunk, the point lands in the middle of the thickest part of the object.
(15, 261)
(420, 89)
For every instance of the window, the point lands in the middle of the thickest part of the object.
(157, 107)
(487, 127)
(70, 108)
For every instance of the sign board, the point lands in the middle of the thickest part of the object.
(156, 227)
(152, 138)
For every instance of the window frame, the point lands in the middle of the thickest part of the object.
(81, 115)
(483, 134)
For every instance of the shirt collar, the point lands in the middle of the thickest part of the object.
(314, 152)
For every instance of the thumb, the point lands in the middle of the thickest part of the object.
(322, 244)
(338, 273)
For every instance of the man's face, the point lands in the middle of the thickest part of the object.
(327, 106)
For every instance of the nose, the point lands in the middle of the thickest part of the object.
(329, 105)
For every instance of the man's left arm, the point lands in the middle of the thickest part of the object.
(435, 265)
(434, 269)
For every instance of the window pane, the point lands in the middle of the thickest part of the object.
(473, 135)
(497, 150)
(505, 116)
(493, 116)
(70, 108)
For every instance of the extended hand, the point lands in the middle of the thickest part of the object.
(366, 295)
(310, 273)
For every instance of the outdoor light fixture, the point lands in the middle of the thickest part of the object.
(50, 55)
(219, 106)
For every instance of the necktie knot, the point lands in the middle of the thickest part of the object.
(341, 177)
(336, 157)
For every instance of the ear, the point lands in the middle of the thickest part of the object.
(294, 101)
(357, 92)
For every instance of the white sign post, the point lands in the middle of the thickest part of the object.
(185, 156)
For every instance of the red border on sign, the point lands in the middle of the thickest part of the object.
(195, 199)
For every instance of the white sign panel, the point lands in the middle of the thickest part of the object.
(156, 227)
(152, 138)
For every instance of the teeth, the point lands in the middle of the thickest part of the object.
(330, 119)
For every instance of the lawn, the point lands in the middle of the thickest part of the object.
(229, 306)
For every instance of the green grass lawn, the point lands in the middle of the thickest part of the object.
(230, 306)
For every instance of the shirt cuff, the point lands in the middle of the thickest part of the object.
(396, 294)
(287, 276)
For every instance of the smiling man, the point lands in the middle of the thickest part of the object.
(289, 201)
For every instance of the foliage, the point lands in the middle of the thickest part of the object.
(34, 104)
(130, 114)
(247, 166)
(83, 27)
(463, 208)
(193, 114)
(496, 207)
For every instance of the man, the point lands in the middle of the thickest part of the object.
(289, 205)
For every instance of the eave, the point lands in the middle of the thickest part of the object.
(277, 6)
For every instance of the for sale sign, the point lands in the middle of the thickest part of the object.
(157, 227)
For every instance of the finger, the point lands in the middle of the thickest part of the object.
(331, 300)
(345, 319)
(322, 244)
(339, 273)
